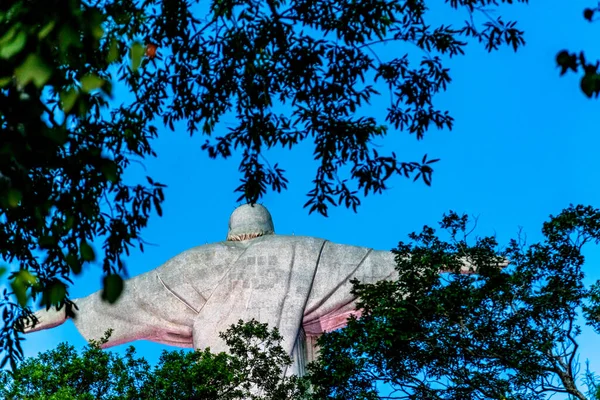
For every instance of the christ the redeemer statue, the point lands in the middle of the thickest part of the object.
(299, 284)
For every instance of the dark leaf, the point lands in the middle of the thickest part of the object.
(113, 286)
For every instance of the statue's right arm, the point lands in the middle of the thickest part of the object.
(158, 305)
(94, 316)
(46, 319)
(91, 311)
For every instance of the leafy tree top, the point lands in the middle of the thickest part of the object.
(253, 370)
(507, 333)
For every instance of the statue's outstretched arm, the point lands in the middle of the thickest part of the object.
(93, 317)
(46, 319)
(331, 301)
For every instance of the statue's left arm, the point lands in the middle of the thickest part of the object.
(330, 302)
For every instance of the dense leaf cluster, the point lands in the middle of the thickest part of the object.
(499, 334)
(63, 150)
(284, 72)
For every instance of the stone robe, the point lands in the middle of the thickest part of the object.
(301, 285)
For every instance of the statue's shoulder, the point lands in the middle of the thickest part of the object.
(216, 247)
(288, 240)
(205, 255)
(214, 251)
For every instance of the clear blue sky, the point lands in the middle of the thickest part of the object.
(524, 146)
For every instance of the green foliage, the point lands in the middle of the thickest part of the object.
(113, 287)
(63, 151)
(64, 374)
(253, 370)
(286, 72)
(499, 334)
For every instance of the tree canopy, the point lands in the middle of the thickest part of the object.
(286, 72)
(507, 333)
(252, 370)
(504, 333)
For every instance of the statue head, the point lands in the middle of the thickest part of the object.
(248, 222)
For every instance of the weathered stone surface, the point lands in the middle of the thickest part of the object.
(301, 285)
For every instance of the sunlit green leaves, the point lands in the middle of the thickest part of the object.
(21, 281)
(68, 99)
(113, 286)
(113, 51)
(67, 38)
(12, 42)
(13, 197)
(91, 82)
(34, 69)
(136, 54)
(45, 31)
(97, 30)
